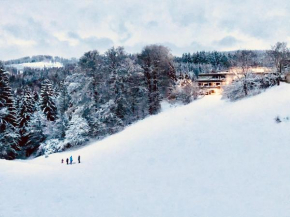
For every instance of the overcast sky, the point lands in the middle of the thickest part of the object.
(69, 28)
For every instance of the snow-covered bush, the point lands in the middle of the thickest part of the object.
(76, 134)
(50, 146)
(269, 80)
(241, 87)
(185, 91)
(248, 84)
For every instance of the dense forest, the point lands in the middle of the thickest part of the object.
(204, 62)
(48, 110)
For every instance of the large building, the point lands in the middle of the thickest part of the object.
(212, 83)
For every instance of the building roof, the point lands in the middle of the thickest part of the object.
(210, 80)
(212, 74)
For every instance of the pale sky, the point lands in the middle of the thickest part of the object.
(68, 28)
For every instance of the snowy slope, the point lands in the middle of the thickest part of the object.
(211, 158)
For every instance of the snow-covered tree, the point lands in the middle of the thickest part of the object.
(135, 91)
(92, 64)
(77, 132)
(9, 132)
(35, 132)
(27, 109)
(279, 53)
(49, 147)
(108, 122)
(159, 73)
(117, 63)
(47, 101)
(185, 90)
(63, 99)
(63, 103)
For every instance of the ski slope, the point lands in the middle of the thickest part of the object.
(211, 158)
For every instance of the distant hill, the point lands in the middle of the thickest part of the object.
(39, 61)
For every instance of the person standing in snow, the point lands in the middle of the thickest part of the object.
(62, 161)
(79, 159)
(71, 159)
(67, 161)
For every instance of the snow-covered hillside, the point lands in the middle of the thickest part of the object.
(211, 158)
(37, 65)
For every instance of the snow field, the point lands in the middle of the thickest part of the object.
(211, 158)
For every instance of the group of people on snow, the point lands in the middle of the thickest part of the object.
(70, 160)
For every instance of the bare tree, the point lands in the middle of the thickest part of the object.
(279, 53)
(245, 59)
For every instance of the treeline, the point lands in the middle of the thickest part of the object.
(204, 62)
(50, 110)
(215, 58)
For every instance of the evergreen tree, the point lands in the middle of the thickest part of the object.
(27, 109)
(35, 132)
(9, 132)
(63, 99)
(63, 102)
(47, 103)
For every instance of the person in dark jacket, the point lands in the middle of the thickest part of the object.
(79, 159)
(67, 161)
(62, 161)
